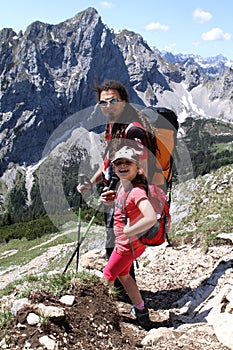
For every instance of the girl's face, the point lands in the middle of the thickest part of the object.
(126, 169)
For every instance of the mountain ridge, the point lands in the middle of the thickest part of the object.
(49, 71)
(48, 74)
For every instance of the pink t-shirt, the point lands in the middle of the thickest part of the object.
(129, 200)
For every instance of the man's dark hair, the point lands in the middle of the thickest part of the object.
(112, 85)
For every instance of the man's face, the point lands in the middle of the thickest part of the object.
(112, 111)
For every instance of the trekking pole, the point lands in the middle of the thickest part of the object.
(77, 249)
(133, 252)
(112, 186)
(124, 219)
(82, 179)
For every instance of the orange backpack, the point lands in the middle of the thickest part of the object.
(165, 124)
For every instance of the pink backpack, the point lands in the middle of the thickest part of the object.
(158, 233)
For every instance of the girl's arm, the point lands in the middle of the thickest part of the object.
(147, 221)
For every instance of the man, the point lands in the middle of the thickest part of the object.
(120, 114)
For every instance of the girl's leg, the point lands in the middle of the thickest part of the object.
(138, 310)
(132, 289)
(117, 265)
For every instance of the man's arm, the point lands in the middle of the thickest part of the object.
(97, 177)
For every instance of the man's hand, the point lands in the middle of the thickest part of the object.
(84, 187)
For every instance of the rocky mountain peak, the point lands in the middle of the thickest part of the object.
(7, 34)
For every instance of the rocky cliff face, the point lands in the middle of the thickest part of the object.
(47, 74)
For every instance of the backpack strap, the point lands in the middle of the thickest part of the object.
(121, 205)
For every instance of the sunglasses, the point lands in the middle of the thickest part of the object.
(121, 162)
(113, 101)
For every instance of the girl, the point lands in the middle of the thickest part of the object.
(131, 199)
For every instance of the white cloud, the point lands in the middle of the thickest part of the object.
(201, 16)
(106, 4)
(156, 26)
(169, 48)
(216, 34)
(196, 43)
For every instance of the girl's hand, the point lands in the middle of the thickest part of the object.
(107, 197)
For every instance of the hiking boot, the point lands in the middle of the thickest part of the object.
(142, 317)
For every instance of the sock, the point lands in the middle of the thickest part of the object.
(140, 306)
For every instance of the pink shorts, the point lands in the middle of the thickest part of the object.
(119, 265)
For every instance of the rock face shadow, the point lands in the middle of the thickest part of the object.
(194, 306)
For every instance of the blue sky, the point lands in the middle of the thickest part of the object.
(202, 27)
